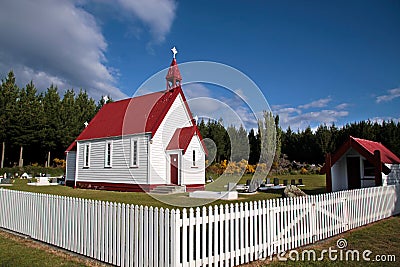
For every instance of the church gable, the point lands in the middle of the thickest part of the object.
(128, 144)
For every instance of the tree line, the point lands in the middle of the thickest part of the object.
(303, 146)
(311, 147)
(35, 124)
(235, 143)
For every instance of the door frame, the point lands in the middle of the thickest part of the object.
(168, 159)
(172, 169)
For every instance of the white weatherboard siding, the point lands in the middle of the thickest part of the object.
(71, 164)
(177, 117)
(193, 174)
(339, 175)
(339, 171)
(120, 170)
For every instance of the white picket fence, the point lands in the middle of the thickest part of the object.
(128, 235)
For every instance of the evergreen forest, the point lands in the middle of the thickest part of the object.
(35, 124)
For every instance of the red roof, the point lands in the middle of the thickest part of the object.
(387, 156)
(182, 137)
(142, 114)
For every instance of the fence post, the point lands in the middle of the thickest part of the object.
(175, 237)
(313, 219)
(345, 223)
(273, 213)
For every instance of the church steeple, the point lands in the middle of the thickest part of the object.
(173, 77)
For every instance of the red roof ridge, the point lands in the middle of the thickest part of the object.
(174, 93)
(387, 156)
(364, 140)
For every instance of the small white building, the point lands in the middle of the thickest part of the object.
(361, 163)
(140, 143)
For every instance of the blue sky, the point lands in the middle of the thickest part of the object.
(315, 61)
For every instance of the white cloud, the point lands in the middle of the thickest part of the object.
(311, 118)
(248, 118)
(380, 120)
(240, 93)
(320, 103)
(296, 118)
(392, 94)
(230, 107)
(290, 110)
(195, 90)
(342, 106)
(61, 43)
(157, 14)
(54, 42)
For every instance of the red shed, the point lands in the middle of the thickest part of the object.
(360, 163)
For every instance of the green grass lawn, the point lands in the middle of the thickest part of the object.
(314, 184)
(381, 238)
(17, 251)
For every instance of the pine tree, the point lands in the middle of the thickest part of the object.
(8, 100)
(324, 139)
(27, 122)
(255, 147)
(243, 144)
(52, 126)
(69, 123)
(85, 107)
(278, 146)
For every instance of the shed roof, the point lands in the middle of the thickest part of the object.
(387, 156)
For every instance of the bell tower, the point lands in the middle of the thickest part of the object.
(173, 77)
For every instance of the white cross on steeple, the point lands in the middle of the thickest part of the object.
(174, 51)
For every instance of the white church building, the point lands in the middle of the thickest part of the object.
(140, 143)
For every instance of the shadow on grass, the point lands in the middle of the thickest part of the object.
(315, 191)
